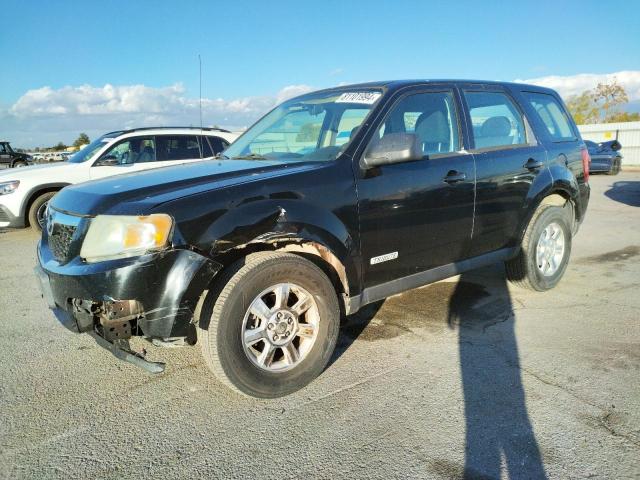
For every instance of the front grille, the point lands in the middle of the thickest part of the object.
(60, 241)
(4, 216)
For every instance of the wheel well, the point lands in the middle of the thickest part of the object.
(561, 199)
(33, 197)
(315, 252)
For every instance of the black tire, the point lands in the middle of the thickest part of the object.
(223, 311)
(615, 168)
(19, 163)
(37, 208)
(523, 270)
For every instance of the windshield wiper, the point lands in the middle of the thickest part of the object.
(251, 156)
(221, 156)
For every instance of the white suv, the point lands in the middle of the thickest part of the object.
(24, 193)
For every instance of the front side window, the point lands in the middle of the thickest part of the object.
(552, 115)
(349, 123)
(430, 116)
(317, 127)
(90, 151)
(495, 119)
(132, 150)
(177, 147)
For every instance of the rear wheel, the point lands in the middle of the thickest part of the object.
(545, 250)
(37, 211)
(615, 168)
(270, 326)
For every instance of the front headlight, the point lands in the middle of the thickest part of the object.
(9, 187)
(118, 236)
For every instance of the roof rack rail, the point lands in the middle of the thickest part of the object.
(139, 129)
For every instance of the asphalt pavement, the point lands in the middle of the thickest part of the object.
(468, 374)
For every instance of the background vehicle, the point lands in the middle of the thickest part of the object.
(333, 200)
(605, 156)
(11, 159)
(24, 194)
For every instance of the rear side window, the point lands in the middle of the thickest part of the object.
(178, 147)
(211, 146)
(552, 115)
(496, 121)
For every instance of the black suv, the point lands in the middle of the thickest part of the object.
(331, 201)
(13, 159)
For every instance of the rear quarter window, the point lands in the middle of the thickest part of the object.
(553, 116)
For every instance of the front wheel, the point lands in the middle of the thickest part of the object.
(544, 251)
(37, 211)
(270, 326)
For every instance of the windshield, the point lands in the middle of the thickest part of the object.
(318, 126)
(88, 152)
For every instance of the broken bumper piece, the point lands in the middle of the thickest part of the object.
(121, 349)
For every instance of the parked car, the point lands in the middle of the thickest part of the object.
(37, 157)
(24, 195)
(605, 156)
(258, 254)
(10, 158)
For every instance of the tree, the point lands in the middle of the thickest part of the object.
(59, 147)
(608, 96)
(82, 139)
(600, 105)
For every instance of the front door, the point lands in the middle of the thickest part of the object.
(418, 215)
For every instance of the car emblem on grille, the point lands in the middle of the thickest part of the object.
(50, 222)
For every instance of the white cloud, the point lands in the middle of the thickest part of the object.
(45, 115)
(576, 84)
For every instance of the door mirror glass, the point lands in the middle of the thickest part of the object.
(393, 148)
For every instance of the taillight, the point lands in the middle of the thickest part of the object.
(586, 161)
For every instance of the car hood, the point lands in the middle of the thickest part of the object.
(55, 172)
(137, 193)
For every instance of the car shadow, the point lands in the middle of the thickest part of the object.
(625, 192)
(499, 435)
(352, 327)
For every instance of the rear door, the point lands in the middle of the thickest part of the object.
(418, 215)
(560, 135)
(508, 159)
(5, 155)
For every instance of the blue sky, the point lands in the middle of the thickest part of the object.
(252, 50)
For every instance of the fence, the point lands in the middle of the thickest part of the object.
(627, 133)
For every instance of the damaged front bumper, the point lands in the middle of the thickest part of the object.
(154, 295)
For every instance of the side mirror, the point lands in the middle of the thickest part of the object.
(616, 145)
(393, 148)
(108, 161)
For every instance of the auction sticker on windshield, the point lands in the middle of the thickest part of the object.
(367, 98)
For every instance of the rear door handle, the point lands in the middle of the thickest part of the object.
(455, 177)
(533, 164)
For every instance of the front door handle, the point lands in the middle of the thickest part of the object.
(533, 164)
(454, 177)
